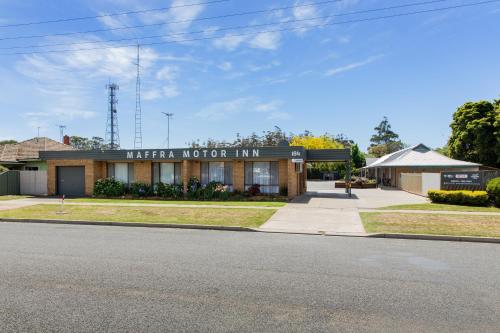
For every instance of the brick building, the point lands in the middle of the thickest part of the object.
(75, 172)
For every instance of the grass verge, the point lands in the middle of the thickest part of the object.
(182, 202)
(432, 224)
(175, 215)
(434, 206)
(12, 197)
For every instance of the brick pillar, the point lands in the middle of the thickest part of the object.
(293, 183)
(186, 173)
(196, 169)
(142, 172)
(239, 175)
(283, 173)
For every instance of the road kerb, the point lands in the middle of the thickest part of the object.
(449, 238)
(133, 224)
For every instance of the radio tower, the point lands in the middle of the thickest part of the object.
(138, 111)
(112, 135)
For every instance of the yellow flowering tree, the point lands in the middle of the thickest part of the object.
(308, 141)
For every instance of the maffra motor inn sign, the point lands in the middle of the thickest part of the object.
(245, 153)
(466, 178)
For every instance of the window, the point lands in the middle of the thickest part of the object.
(221, 172)
(31, 168)
(263, 173)
(168, 173)
(123, 172)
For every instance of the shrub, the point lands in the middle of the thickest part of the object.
(109, 187)
(169, 191)
(493, 189)
(283, 191)
(254, 190)
(194, 188)
(140, 190)
(468, 198)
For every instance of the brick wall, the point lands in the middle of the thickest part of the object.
(142, 172)
(239, 175)
(90, 174)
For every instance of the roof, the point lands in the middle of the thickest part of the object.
(370, 160)
(29, 149)
(418, 156)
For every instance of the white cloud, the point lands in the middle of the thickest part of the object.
(223, 109)
(258, 68)
(271, 106)
(266, 40)
(168, 73)
(150, 95)
(236, 106)
(225, 66)
(114, 22)
(229, 42)
(351, 66)
(307, 16)
(171, 91)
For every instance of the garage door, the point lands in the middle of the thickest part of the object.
(71, 181)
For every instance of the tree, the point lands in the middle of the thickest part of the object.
(7, 142)
(444, 150)
(358, 158)
(272, 138)
(385, 140)
(82, 143)
(475, 133)
(310, 141)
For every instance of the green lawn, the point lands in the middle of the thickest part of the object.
(432, 224)
(434, 206)
(12, 197)
(244, 217)
(183, 202)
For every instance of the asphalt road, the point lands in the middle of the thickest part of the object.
(60, 278)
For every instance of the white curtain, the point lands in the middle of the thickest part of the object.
(262, 173)
(216, 172)
(121, 172)
(167, 173)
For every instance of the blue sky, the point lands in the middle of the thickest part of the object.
(416, 70)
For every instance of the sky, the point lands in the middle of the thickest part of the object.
(313, 66)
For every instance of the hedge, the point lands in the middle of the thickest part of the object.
(467, 198)
(493, 189)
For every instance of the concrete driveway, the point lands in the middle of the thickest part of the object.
(324, 209)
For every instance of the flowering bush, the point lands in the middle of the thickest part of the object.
(140, 190)
(109, 187)
(468, 198)
(170, 191)
(254, 190)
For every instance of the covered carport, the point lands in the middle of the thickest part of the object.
(332, 155)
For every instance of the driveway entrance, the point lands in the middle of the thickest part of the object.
(331, 210)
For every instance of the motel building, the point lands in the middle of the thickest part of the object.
(74, 173)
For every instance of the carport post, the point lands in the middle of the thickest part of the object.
(348, 176)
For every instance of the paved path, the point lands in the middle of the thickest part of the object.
(415, 211)
(57, 278)
(326, 210)
(54, 201)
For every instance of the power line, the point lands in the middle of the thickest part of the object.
(227, 28)
(180, 21)
(112, 14)
(378, 18)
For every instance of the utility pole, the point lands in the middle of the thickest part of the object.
(38, 132)
(112, 134)
(168, 115)
(61, 132)
(138, 111)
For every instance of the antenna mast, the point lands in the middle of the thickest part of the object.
(112, 135)
(138, 111)
(61, 131)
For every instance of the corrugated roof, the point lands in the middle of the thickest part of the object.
(29, 149)
(418, 156)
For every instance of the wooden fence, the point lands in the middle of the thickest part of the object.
(9, 183)
(33, 182)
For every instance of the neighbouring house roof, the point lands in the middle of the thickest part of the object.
(418, 156)
(370, 160)
(29, 149)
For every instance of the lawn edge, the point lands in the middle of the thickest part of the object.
(471, 239)
(132, 224)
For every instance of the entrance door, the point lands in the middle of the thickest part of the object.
(71, 181)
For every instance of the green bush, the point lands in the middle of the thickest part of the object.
(467, 198)
(109, 187)
(284, 191)
(169, 191)
(140, 190)
(493, 189)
